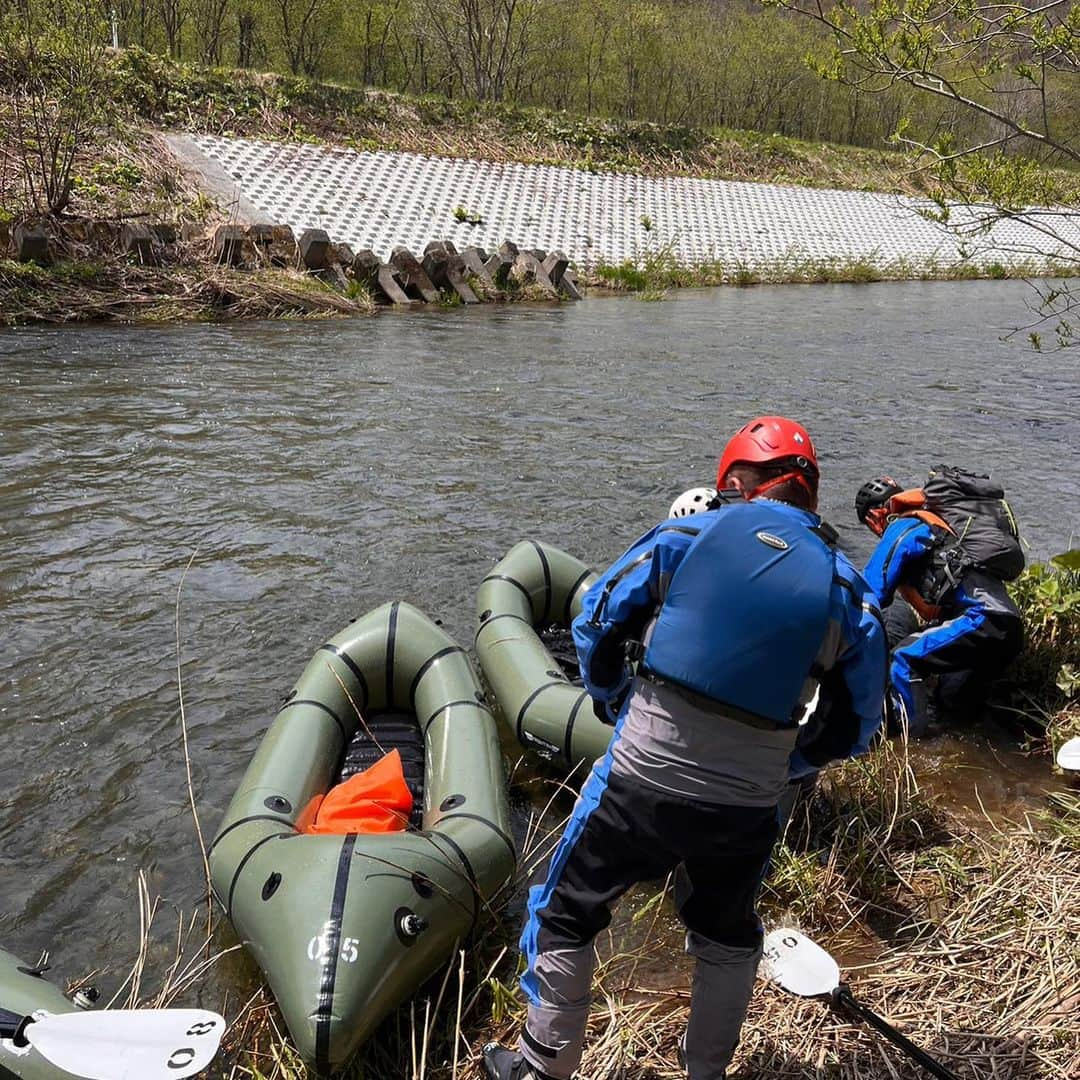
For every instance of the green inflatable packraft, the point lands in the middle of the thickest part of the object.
(346, 927)
(23, 990)
(537, 586)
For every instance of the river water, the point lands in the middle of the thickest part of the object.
(315, 470)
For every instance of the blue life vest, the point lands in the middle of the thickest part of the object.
(746, 612)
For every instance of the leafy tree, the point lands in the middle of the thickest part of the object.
(306, 28)
(51, 67)
(484, 40)
(1015, 69)
(210, 19)
(174, 16)
(247, 35)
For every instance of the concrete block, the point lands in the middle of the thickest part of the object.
(508, 250)
(447, 270)
(498, 267)
(473, 258)
(108, 234)
(274, 244)
(539, 254)
(77, 230)
(568, 286)
(228, 245)
(164, 233)
(315, 249)
(261, 234)
(555, 266)
(455, 275)
(31, 244)
(138, 241)
(334, 274)
(365, 267)
(414, 279)
(435, 260)
(528, 270)
(391, 288)
(372, 272)
(342, 254)
(100, 235)
(280, 248)
(191, 232)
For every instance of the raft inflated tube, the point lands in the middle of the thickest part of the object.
(25, 991)
(534, 586)
(345, 928)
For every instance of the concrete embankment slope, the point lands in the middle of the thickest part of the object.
(380, 199)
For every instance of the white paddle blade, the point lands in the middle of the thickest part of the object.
(799, 965)
(129, 1044)
(1068, 755)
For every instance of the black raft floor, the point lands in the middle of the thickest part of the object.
(386, 731)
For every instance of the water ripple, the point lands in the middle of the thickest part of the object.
(320, 469)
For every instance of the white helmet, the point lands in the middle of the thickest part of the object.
(693, 501)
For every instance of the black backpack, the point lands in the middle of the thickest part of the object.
(974, 507)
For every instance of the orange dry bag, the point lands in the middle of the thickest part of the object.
(376, 800)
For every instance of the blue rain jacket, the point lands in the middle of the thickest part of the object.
(899, 557)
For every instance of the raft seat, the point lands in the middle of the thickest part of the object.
(394, 731)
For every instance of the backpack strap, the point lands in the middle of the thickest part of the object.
(825, 532)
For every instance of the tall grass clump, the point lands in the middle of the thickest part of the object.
(654, 272)
(837, 864)
(1046, 676)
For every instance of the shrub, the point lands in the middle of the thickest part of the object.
(1047, 673)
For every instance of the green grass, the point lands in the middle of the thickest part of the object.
(656, 272)
(154, 90)
(1061, 819)
(838, 862)
(1043, 683)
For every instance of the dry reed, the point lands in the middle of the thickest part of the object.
(965, 940)
(120, 291)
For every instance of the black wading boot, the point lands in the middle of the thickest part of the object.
(502, 1063)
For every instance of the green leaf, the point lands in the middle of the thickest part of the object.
(1068, 560)
(1068, 680)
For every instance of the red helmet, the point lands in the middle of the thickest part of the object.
(772, 440)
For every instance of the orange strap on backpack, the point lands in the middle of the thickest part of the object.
(375, 801)
(912, 503)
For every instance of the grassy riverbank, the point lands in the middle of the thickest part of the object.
(960, 933)
(961, 937)
(156, 91)
(658, 273)
(122, 173)
(118, 290)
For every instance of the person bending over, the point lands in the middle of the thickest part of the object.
(737, 618)
(947, 549)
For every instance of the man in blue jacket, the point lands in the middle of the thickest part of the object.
(941, 581)
(740, 619)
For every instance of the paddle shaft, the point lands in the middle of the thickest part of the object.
(842, 1001)
(12, 1026)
